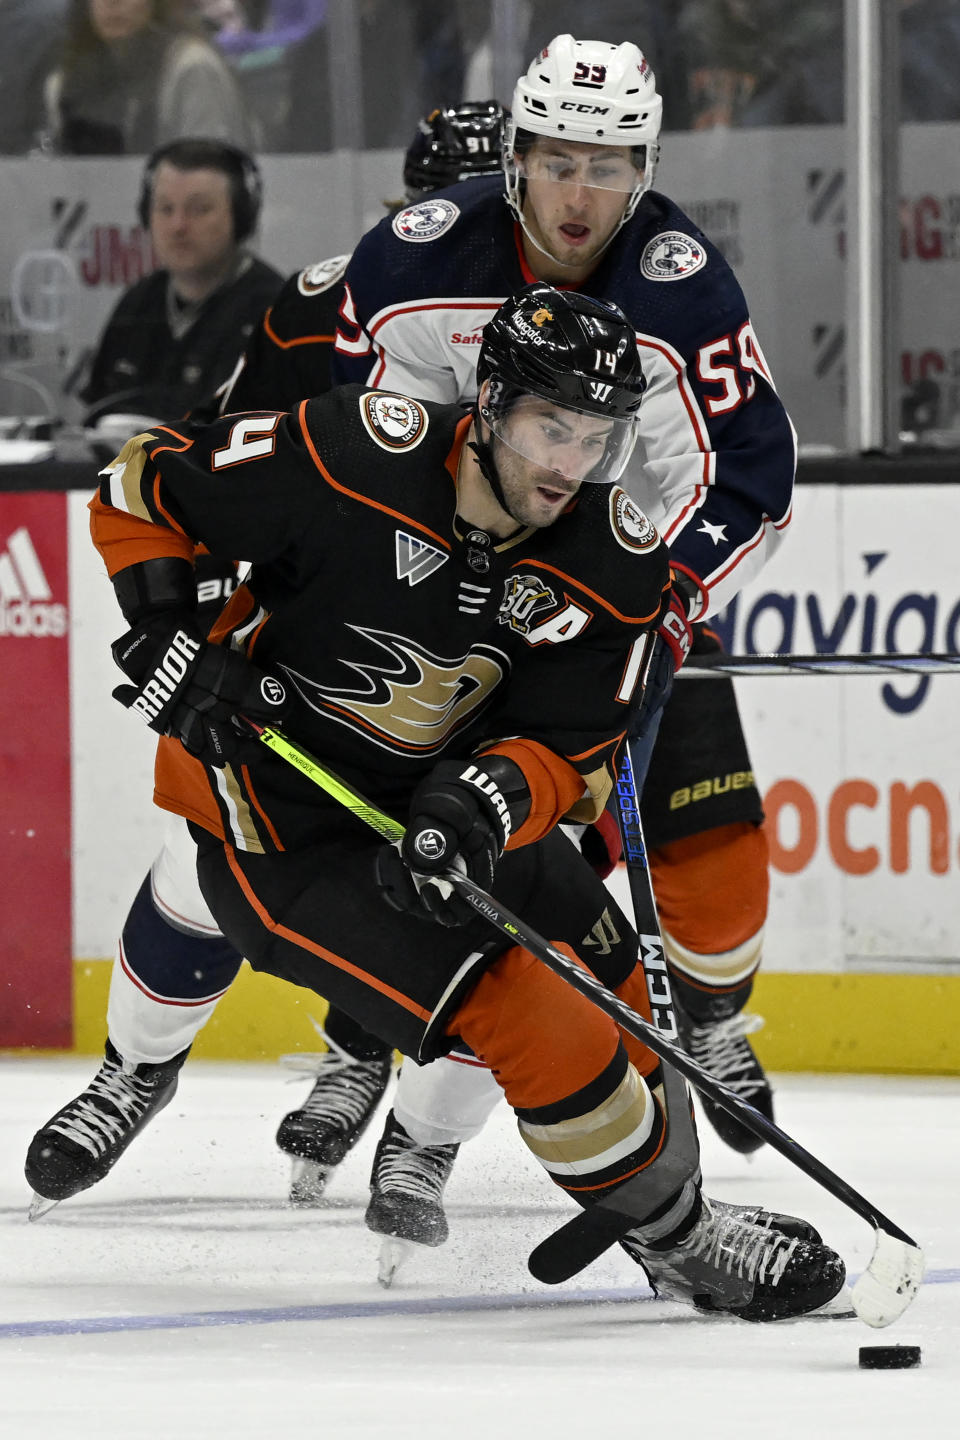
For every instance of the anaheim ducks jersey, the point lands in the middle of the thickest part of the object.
(401, 635)
(716, 458)
(287, 358)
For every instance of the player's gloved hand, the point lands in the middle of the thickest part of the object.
(670, 646)
(459, 821)
(186, 687)
(601, 845)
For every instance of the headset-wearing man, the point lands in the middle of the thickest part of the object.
(174, 336)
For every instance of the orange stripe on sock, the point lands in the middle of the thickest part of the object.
(712, 888)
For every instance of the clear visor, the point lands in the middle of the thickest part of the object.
(598, 167)
(573, 444)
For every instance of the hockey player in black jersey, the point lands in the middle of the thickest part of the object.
(481, 697)
(718, 459)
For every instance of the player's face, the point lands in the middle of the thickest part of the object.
(575, 195)
(544, 455)
(191, 219)
(115, 20)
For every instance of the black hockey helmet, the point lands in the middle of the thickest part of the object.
(454, 143)
(571, 350)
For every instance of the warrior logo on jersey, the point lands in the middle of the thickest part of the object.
(321, 276)
(395, 422)
(523, 597)
(672, 256)
(633, 529)
(410, 700)
(416, 559)
(425, 221)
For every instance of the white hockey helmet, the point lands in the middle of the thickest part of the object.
(592, 92)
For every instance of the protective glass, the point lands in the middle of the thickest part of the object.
(577, 444)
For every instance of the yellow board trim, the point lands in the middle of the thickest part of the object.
(862, 1024)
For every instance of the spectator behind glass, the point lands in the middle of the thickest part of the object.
(32, 33)
(175, 335)
(133, 75)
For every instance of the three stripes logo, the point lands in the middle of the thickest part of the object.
(27, 607)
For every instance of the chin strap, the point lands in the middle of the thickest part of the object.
(488, 470)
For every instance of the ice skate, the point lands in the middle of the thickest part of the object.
(722, 1048)
(81, 1143)
(335, 1114)
(726, 1263)
(406, 1200)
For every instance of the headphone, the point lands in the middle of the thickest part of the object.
(246, 183)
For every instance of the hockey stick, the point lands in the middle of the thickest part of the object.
(702, 667)
(892, 1278)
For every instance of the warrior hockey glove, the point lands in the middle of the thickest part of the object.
(460, 820)
(186, 687)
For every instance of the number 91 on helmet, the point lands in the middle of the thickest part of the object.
(561, 382)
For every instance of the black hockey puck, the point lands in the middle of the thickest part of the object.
(889, 1357)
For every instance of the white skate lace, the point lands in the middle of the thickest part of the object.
(87, 1124)
(722, 1049)
(418, 1170)
(750, 1251)
(345, 1086)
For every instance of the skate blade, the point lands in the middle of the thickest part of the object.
(308, 1183)
(394, 1254)
(39, 1206)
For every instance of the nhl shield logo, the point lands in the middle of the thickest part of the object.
(418, 223)
(394, 421)
(672, 256)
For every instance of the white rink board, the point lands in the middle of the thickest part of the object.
(817, 733)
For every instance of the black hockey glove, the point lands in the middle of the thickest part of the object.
(601, 846)
(186, 687)
(460, 820)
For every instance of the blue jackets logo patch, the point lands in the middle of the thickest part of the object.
(672, 256)
(418, 223)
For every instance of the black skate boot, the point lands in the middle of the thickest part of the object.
(84, 1140)
(406, 1195)
(726, 1263)
(719, 1043)
(335, 1114)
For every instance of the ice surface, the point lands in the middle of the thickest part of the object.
(182, 1298)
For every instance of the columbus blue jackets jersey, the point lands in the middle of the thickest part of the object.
(401, 635)
(715, 464)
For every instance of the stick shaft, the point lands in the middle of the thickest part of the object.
(702, 667)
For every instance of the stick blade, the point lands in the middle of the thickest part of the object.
(889, 1283)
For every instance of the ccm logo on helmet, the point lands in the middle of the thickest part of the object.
(582, 109)
(166, 677)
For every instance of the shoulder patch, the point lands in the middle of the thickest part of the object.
(321, 276)
(672, 256)
(393, 421)
(632, 528)
(425, 221)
